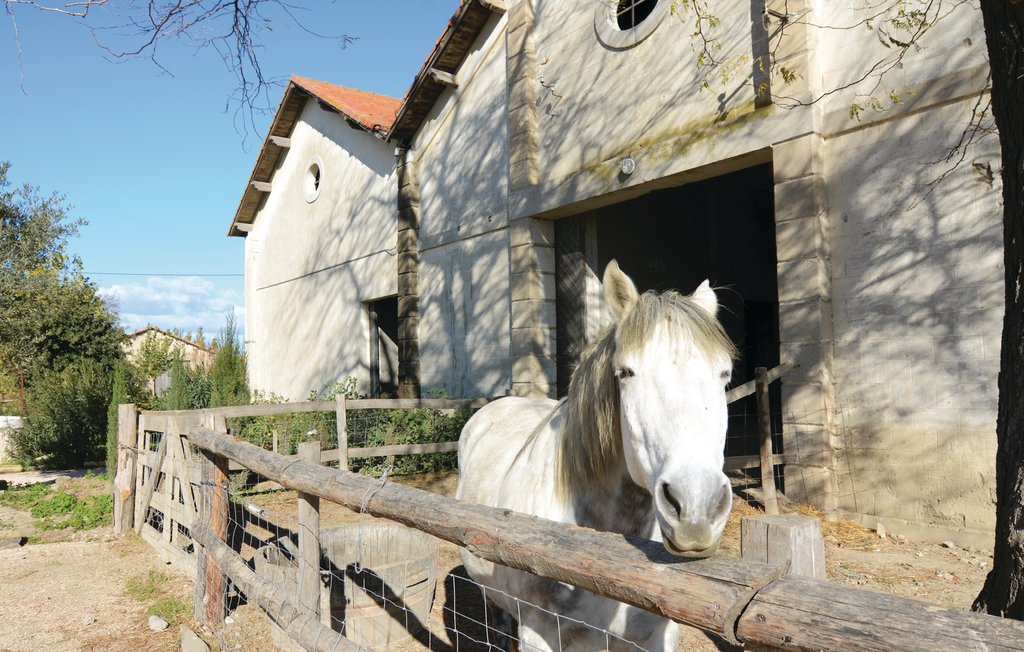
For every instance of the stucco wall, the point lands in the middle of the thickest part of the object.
(310, 266)
(917, 294)
(461, 155)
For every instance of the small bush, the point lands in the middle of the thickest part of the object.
(67, 417)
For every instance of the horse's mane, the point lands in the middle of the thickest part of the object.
(590, 445)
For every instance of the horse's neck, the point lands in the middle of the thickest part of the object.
(616, 506)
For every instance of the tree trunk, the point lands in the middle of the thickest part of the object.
(1003, 593)
(21, 392)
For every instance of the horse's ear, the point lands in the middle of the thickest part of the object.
(705, 297)
(619, 291)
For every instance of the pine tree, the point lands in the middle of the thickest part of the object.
(228, 373)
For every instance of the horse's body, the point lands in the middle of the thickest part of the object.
(636, 447)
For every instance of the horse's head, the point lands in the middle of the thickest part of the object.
(672, 361)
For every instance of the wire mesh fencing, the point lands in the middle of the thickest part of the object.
(340, 579)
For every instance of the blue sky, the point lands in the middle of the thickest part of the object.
(156, 162)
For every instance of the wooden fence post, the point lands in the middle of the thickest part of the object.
(210, 604)
(124, 477)
(309, 538)
(341, 413)
(793, 541)
(764, 425)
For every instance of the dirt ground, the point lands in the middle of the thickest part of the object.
(70, 594)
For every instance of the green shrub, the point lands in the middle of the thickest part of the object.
(66, 423)
(190, 388)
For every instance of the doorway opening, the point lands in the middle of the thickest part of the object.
(383, 317)
(722, 229)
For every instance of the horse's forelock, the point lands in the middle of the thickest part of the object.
(590, 446)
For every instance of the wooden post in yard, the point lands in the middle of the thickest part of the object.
(788, 541)
(124, 477)
(764, 426)
(309, 538)
(342, 418)
(210, 604)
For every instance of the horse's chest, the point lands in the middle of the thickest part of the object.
(627, 509)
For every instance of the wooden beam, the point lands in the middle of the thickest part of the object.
(764, 426)
(124, 477)
(443, 77)
(209, 602)
(268, 409)
(739, 600)
(497, 6)
(749, 387)
(281, 141)
(309, 539)
(262, 186)
(341, 419)
(627, 569)
(142, 510)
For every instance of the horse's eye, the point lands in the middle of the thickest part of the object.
(624, 373)
(726, 376)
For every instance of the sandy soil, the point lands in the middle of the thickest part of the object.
(69, 595)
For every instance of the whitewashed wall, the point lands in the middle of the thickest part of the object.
(461, 156)
(310, 266)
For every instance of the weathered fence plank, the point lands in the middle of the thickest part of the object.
(708, 593)
(764, 427)
(749, 387)
(793, 542)
(727, 597)
(124, 478)
(146, 497)
(341, 417)
(209, 605)
(796, 613)
(309, 538)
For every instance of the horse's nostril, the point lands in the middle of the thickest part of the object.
(724, 503)
(667, 491)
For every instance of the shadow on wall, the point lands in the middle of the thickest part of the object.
(917, 304)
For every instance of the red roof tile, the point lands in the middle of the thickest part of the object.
(371, 110)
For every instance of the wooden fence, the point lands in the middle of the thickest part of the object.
(748, 602)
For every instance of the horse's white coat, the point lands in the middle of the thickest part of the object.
(672, 418)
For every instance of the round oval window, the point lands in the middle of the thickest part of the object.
(312, 180)
(624, 23)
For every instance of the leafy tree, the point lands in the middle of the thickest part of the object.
(153, 358)
(189, 389)
(50, 314)
(228, 373)
(118, 395)
(67, 421)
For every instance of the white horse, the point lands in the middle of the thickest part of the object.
(636, 447)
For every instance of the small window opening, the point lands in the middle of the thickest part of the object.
(630, 13)
(311, 180)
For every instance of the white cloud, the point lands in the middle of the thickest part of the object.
(186, 302)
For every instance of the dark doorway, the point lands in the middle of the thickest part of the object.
(722, 229)
(383, 315)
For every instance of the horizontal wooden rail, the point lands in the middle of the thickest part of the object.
(272, 409)
(748, 388)
(707, 593)
(741, 600)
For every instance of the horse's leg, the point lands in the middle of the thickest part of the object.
(501, 630)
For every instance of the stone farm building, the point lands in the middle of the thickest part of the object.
(192, 353)
(455, 238)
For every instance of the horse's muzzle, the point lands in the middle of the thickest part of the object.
(692, 513)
